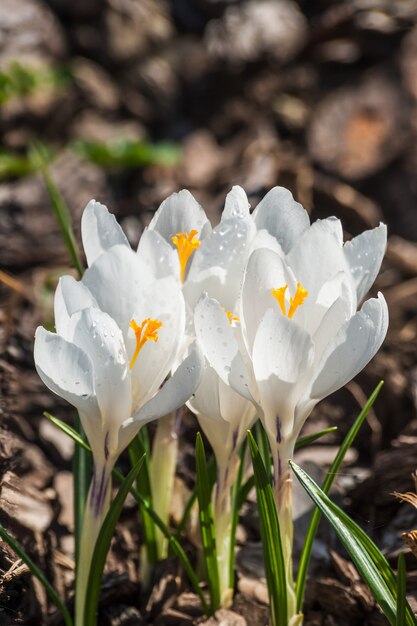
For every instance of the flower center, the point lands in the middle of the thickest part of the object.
(186, 243)
(232, 318)
(296, 301)
(148, 330)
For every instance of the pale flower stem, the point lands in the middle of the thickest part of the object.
(281, 454)
(162, 472)
(97, 506)
(226, 475)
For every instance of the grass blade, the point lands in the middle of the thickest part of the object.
(173, 543)
(236, 505)
(368, 559)
(39, 157)
(401, 591)
(271, 539)
(316, 516)
(306, 441)
(81, 475)
(103, 545)
(137, 448)
(211, 467)
(17, 548)
(208, 534)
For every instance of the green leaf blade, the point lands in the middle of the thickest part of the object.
(208, 534)
(271, 539)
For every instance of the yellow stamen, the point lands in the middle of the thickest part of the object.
(232, 318)
(186, 243)
(279, 294)
(296, 301)
(148, 330)
(300, 295)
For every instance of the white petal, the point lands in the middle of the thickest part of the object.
(158, 255)
(353, 347)
(265, 271)
(364, 254)
(316, 259)
(282, 217)
(100, 337)
(178, 214)
(162, 301)
(70, 296)
(282, 356)
(66, 370)
(205, 400)
(174, 393)
(117, 280)
(217, 266)
(333, 226)
(216, 337)
(236, 205)
(99, 231)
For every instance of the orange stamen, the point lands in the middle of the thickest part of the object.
(300, 295)
(279, 295)
(186, 243)
(148, 330)
(296, 301)
(232, 318)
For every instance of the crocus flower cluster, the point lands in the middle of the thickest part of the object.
(255, 318)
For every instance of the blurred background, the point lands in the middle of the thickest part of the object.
(135, 99)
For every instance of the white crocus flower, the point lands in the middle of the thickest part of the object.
(300, 335)
(224, 416)
(118, 334)
(166, 250)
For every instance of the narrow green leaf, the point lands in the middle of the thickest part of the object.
(365, 555)
(39, 158)
(208, 534)
(401, 590)
(331, 475)
(306, 441)
(139, 446)
(236, 505)
(271, 539)
(211, 466)
(263, 445)
(174, 544)
(17, 548)
(103, 545)
(81, 475)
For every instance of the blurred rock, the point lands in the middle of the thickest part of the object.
(97, 86)
(133, 27)
(24, 504)
(224, 617)
(250, 30)
(356, 131)
(29, 34)
(91, 126)
(202, 159)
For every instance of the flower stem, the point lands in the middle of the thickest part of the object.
(281, 454)
(97, 505)
(162, 472)
(226, 475)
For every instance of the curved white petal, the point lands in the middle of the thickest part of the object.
(352, 348)
(364, 254)
(158, 255)
(162, 301)
(172, 395)
(205, 400)
(216, 337)
(100, 337)
(331, 225)
(99, 231)
(180, 213)
(282, 217)
(217, 266)
(117, 280)
(265, 271)
(66, 370)
(282, 357)
(70, 296)
(236, 205)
